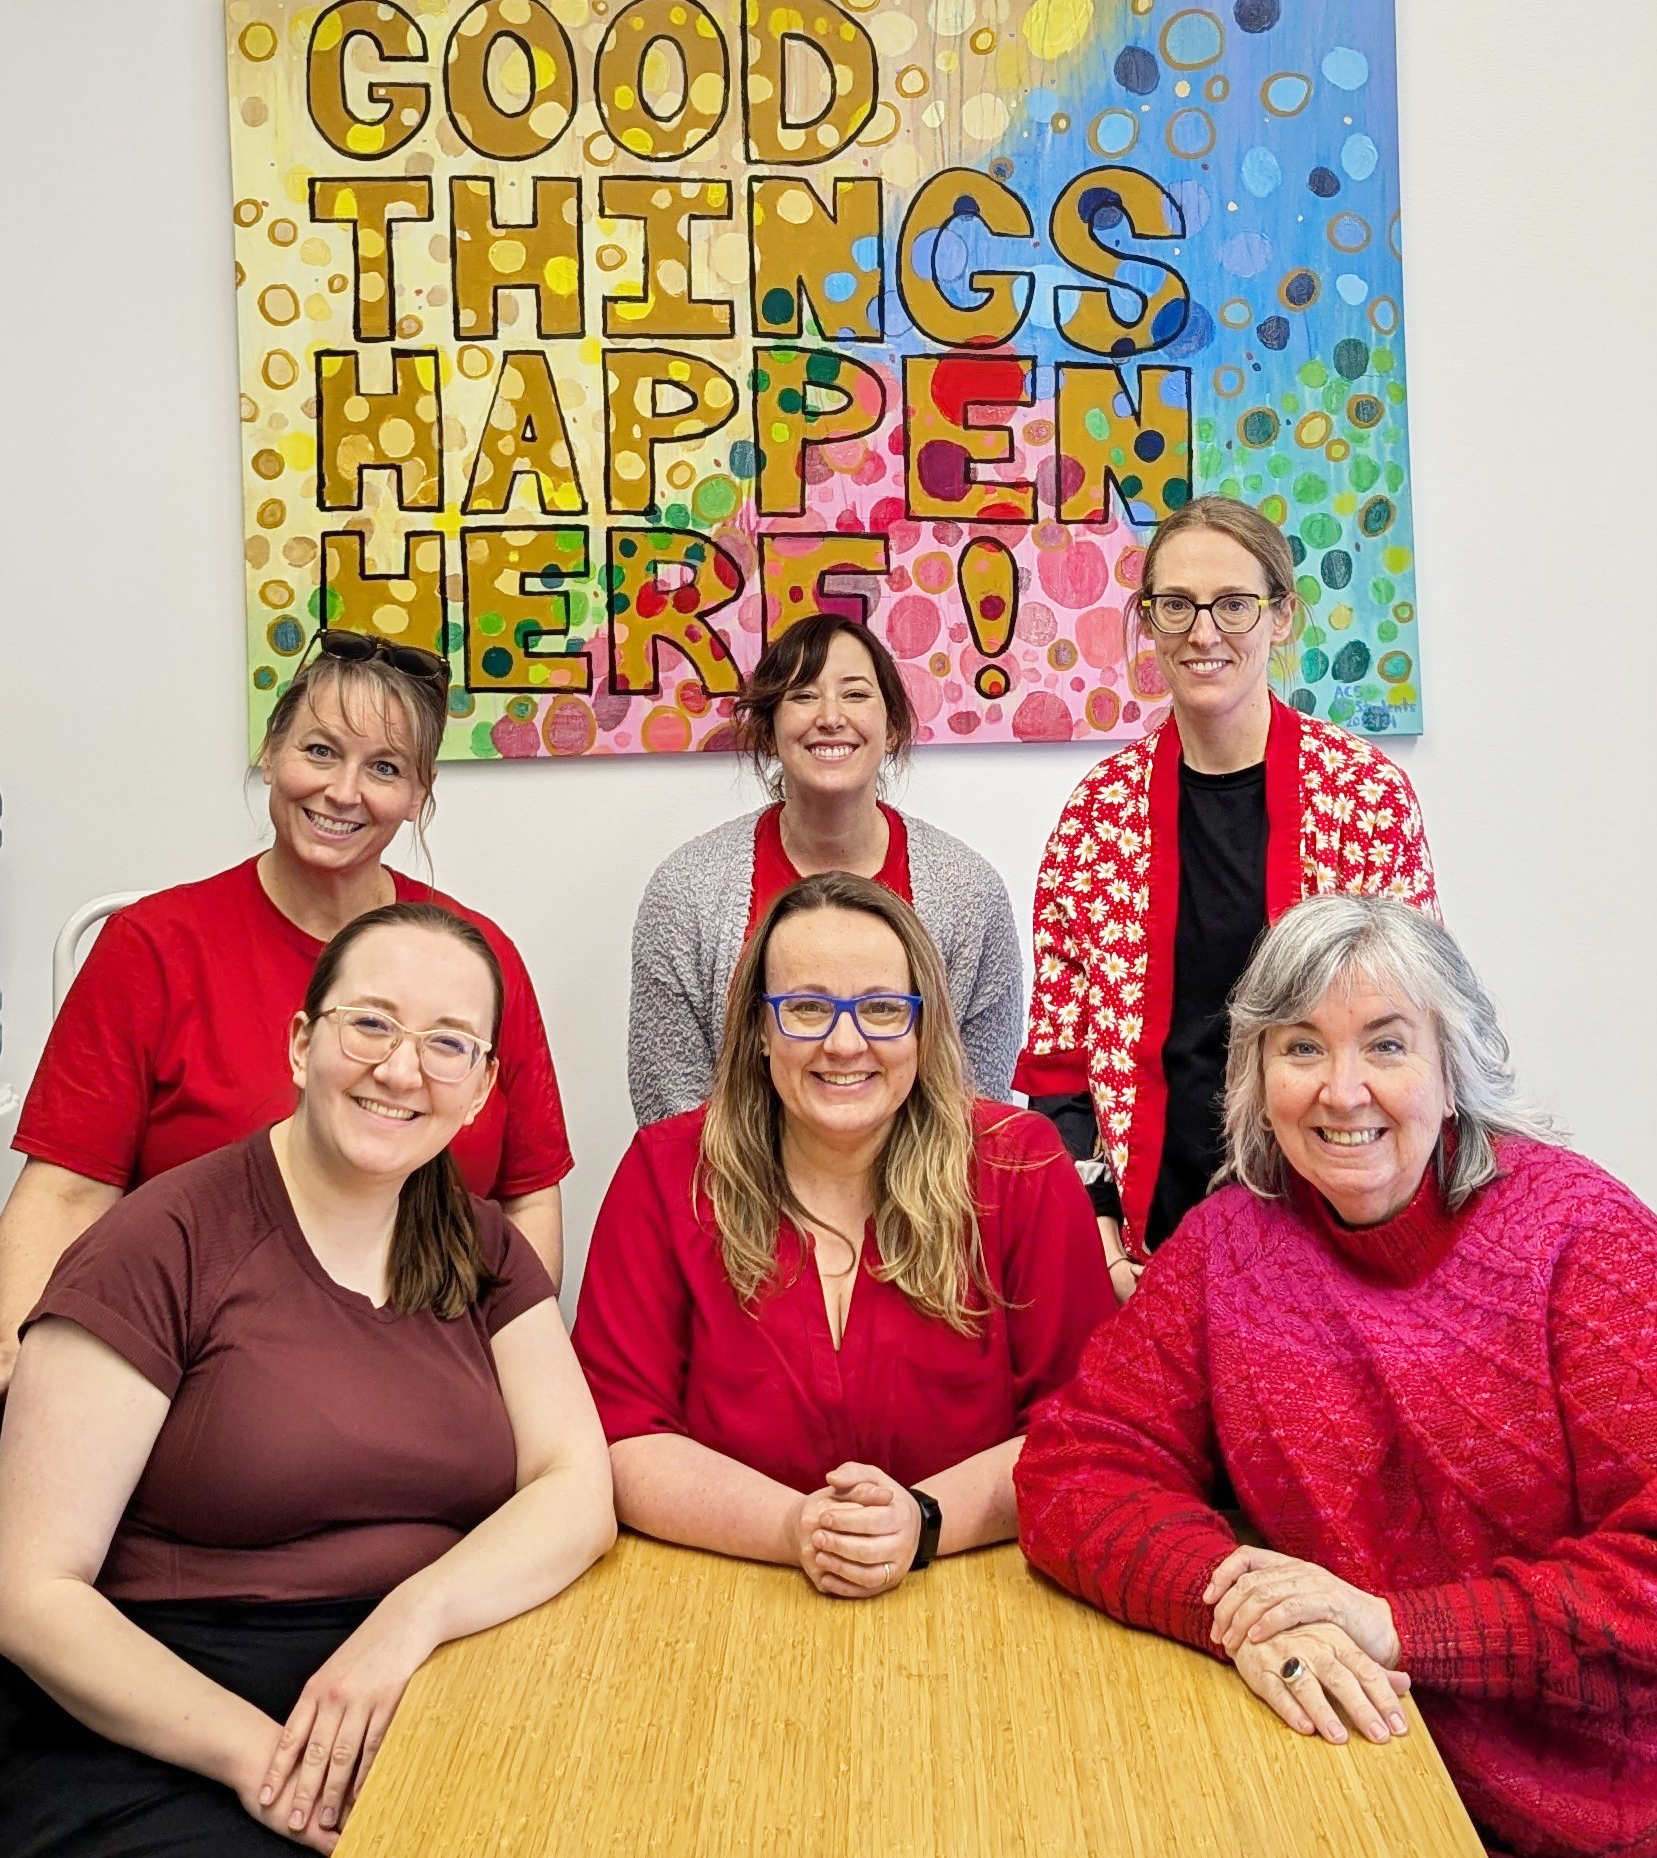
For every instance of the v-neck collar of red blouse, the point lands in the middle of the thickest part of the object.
(774, 870)
(268, 1178)
(868, 1262)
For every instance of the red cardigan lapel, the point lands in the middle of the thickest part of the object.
(1285, 810)
(1283, 818)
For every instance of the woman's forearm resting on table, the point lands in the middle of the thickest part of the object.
(49, 1208)
(677, 1490)
(976, 1497)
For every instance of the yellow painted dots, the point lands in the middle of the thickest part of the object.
(279, 305)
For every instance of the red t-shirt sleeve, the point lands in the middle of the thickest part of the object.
(521, 1280)
(90, 1100)
(1055, 1278)
(632, 1330)
(535, 1149)
(128, 1280)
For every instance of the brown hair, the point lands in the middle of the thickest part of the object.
(926, 1225)
(372, 681)
(798, 657)
(1244, 524)
(436, 1263)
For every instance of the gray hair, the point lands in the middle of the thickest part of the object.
(1334, 940)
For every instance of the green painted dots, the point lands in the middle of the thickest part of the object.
(1320, 531)
(1309, 488)
(1259, 426)
(1351, 358)
(1351, 662)
(715, 498)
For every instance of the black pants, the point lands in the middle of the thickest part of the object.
(67, 1793)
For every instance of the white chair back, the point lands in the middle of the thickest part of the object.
(66, 950)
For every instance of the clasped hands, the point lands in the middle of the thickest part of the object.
(1270, 1609)
(857, 1536)
(307, 1784)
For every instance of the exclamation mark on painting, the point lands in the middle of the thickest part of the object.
(989, 590)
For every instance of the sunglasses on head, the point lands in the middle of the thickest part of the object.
(359, 647)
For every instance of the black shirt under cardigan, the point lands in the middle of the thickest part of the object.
(1222, 909)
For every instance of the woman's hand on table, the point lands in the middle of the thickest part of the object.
(1257, 1593)
(329, 1742)
(1124, 1271)
(1324, 1668)
(857, 1536)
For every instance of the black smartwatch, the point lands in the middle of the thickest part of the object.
(932, 1522)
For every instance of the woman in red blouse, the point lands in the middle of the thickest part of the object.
(285, 1420)
(818, 1311)
(169, 1044)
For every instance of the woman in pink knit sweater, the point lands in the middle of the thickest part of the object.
(1419, 1338)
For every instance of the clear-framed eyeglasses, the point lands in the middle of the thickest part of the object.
(814, 1016)
(1176, 613)
(447, 1055)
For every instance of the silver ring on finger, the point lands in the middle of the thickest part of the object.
(888, 1580)
(1292, 1669)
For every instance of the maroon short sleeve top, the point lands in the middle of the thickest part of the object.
(316, 1447)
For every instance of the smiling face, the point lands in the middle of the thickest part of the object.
(1356, 1097)
(843, 1090)
(1215, 676)
(832, 732)
(342, 782)
(388, 1119)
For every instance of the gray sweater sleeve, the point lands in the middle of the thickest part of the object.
(685, 939)
(960, 897)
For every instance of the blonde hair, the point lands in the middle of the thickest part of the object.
(926, 1224)
(1331, 941)
(378, 684)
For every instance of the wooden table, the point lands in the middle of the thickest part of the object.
(679, 1703)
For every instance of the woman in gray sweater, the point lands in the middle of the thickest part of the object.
(823, 715)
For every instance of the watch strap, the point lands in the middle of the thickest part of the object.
(932, 1523)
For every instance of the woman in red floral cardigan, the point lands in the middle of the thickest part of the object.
(1169, 860)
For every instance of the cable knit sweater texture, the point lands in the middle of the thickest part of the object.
(1457, 1411)
(690, 930)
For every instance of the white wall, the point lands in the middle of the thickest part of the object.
(1528, 155)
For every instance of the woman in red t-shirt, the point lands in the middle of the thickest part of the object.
(169, 1043)
(817, 1313)
(825, 716)
(285, 1420)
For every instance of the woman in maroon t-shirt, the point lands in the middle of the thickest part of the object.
(817, 1313)
(286, 1418)
(169, 1044)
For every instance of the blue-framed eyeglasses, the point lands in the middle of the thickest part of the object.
(814, 1016)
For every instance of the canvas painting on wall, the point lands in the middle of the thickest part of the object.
(592, 342)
